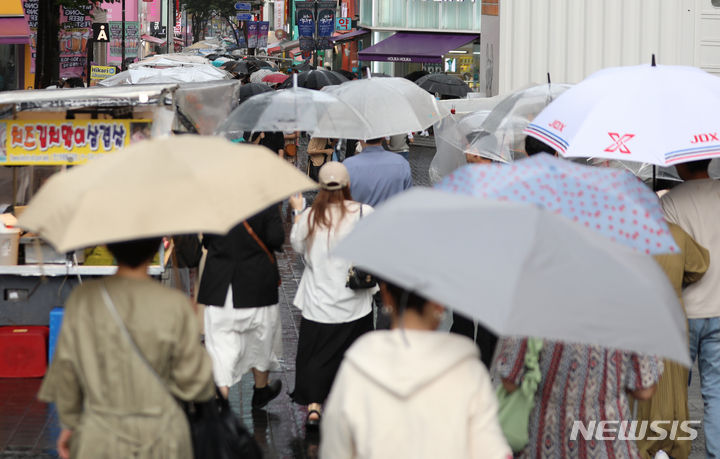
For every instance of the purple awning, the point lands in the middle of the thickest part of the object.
(14, 31)
(349, 35)
(415, 47)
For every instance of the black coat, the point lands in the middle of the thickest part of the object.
(238, 259)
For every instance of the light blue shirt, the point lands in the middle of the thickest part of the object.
(377, 174)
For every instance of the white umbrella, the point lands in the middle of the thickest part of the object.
(391, 106)
(147, 75)
(521, 270)
(661, 115)
(257, 76)
(294, 109)
(174, 185)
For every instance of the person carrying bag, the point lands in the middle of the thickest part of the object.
(319, 151)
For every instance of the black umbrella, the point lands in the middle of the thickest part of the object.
(251, 89)
(315, 79)
(347, 74)
(260, 64)
(440, 84)
(416, 75)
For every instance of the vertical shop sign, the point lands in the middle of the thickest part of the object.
(279, 16)
(31, 8)
(74, 36)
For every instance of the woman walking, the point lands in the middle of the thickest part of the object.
(242, 319)
(333, 316)
(412, 392)
(109, 402)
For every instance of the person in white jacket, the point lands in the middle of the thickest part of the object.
(412, 392)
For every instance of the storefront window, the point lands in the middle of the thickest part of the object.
(424, 14)
(8, 67)
(366, 12)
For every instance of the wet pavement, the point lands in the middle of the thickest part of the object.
(29, 428)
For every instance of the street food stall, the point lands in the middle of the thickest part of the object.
(45, 131)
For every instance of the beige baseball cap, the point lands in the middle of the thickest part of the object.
(333, 176)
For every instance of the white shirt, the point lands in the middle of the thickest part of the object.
(695, 207)
(322, 295)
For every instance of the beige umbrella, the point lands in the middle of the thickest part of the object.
(176, 185)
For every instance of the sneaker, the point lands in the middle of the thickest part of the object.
(264, 395)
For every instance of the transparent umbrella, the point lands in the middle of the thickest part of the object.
(451, 142)
(500, 137)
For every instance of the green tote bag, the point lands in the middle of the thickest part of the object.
(515, 408)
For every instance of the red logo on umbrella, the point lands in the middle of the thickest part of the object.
(619, 144)
(557, 125)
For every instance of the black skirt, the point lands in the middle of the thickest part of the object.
(321, 348)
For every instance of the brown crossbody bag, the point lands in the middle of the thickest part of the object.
(262, 245)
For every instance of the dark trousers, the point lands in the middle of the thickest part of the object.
(485, 339)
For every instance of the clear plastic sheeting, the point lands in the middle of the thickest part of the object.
(295, 109)
(207, 105)
(147, 75)
(450, 141)
(500, 137)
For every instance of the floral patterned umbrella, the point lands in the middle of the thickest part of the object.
(611, 201)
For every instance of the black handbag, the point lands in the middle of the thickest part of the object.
(357, 279)
(215, 430)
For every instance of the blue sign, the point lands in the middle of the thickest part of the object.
(326, 19)
(343, 23)
(244, 17)
(242, 6)
(305, 19)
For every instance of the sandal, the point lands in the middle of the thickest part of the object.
(312, 424)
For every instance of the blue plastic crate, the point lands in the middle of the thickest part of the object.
(56, 316)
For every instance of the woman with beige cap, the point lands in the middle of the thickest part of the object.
(333, 316)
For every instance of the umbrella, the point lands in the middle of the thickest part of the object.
(391, 106)
(347, 74)
(316, 79)
(175, 185)
(500, 136)
(644, 171)
(451, 142)
(442, 85)
(662, 115)
(252, 89)
(416, 75)
(521, 270)
(259, 63)
(257, 76)
(149, 75)
(610, 201)
(294, 109)
(275, 78)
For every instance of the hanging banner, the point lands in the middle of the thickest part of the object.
(307, 44)
(279, 16)
(262, 36)
(132, 39)
(31, 8)
(305, 12)
(74, 36)
(252, 34)
(66, 142)
(326, 19)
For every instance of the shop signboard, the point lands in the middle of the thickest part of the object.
(262, 37)
(279, 16)
(305, 18)
(31, 8)
(244, 17)
(132, 39)
(66, 142)
(240, 6)
(75, 33)
(343, 24)
(100, 72)
(252, 34)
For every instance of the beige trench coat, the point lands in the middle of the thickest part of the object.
(103, 391)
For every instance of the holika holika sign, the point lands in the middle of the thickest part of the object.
(66, 142)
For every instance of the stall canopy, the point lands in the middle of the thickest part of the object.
(415, 47)
(14, 28)
(152, 39)
(349, 35)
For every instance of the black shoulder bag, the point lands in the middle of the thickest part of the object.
(357, 279)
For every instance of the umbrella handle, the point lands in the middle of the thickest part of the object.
(369, 74)
(295, 80)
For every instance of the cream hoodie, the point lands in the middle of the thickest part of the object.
(412, 394)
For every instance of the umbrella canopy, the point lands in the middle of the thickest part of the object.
(316, 79)
(644, 171)
(170, 60)
(175, 185)
(610, 201)
(252, 89)
(257, 76)
(521, 270)
(347, 74)
(148, 75)
(295, 109)
(501, 135)
(662, 115)
(275, 78)
(442, 85)
(390, 105)
(239, 67)
(416, 75)
(451, 142)
(259, 63)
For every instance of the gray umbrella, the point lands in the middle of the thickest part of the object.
(443, 85)
(521, 270)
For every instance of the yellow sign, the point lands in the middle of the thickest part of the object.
(66, 142)
(100, 72)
